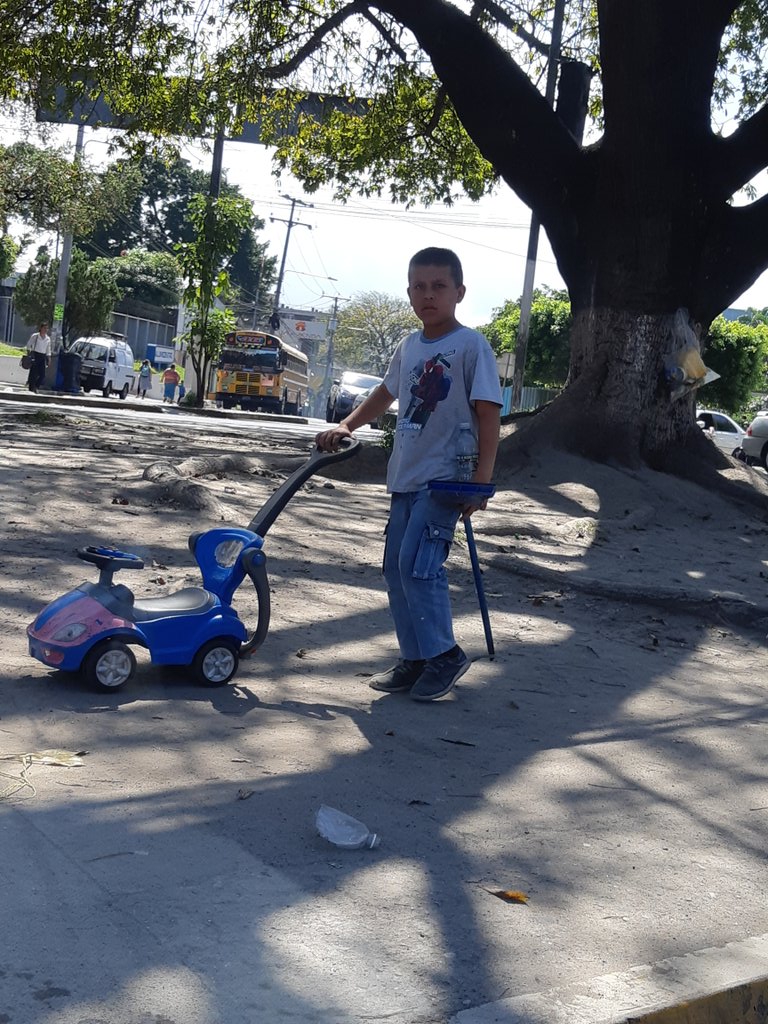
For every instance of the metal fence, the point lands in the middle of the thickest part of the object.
(140, 333)
(530, 398)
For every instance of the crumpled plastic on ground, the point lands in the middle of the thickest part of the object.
(54, 756)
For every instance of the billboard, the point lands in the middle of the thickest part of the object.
(82, 102)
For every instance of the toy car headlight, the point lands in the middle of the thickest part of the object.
(70, 632)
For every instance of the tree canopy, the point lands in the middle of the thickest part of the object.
(548, 351)
(91, 296)
(641, 218)
(738, 352)
(369, 329)
(48, 191)
(149, 277)
(159, 219)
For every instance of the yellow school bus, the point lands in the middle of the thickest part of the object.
(257, 370)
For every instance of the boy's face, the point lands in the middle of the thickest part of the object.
(434, 296)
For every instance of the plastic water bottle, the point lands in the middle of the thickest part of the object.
(343, 830)
(466, 453)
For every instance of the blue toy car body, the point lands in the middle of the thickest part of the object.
(92, 628)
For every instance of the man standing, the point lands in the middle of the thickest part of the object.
(39, 349)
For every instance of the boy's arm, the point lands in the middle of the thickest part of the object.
(374, 405)
(488, 425)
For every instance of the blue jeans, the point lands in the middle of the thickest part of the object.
(419, 535)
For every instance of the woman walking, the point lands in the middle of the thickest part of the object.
(144, 383)
(170, 379)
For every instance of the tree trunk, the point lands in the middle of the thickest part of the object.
(617, 405)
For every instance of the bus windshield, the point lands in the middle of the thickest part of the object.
(249, 359)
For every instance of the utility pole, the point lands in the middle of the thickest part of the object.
(333, 323)
(64, 263)
(274, 320)
(526, 300)
(257, 293)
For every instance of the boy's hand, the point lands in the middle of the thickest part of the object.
(329, 440)
(474, 506)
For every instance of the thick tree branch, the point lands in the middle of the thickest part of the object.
(744, 153)
(737, 254)
(511, 123)
(287, 67)
(498, 12)
(386, 35)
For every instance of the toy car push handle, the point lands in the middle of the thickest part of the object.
(255, 566)
(269, 512)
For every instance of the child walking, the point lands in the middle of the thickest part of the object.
(443, 376)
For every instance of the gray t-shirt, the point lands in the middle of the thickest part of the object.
(435, 383)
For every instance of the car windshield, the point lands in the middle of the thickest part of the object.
(360, 380)
(92, 350)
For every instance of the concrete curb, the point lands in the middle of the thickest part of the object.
(726, 985)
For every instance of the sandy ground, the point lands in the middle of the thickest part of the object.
(609, 763)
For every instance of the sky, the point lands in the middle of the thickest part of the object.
(340, 250)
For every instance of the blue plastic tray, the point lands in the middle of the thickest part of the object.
(461, 491)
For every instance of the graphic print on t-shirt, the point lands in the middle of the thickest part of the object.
(429, 384)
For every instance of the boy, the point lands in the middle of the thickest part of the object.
(442, 376)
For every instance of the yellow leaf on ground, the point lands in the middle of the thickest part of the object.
(509, 895)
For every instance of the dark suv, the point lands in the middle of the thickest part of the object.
(344, 391)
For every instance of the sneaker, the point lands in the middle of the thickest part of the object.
(401, 676)
(440, 674)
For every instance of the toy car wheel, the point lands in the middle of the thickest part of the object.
(109, 665)
(216, 662)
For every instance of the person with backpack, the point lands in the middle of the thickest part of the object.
(144, 381)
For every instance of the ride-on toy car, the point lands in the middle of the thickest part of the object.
(92, 628)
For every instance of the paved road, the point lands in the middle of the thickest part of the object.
(154, 411)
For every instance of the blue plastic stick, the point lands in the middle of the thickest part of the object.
(479, 587)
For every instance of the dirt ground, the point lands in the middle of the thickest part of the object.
(577, 526)
(629, 610)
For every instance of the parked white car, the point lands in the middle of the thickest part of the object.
(725, 432)
(755, 442)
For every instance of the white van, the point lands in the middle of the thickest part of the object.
(106, 364)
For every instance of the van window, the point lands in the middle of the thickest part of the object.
(92, 350)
